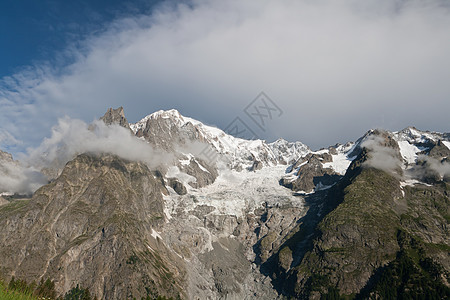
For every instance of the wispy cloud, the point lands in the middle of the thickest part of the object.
(336, 68)
(71, 137)
(17, 178)
(381, 156)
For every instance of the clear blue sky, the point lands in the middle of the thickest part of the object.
(32, 31)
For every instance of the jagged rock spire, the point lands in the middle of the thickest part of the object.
(115, 116)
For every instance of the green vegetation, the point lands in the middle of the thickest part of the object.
(19, 289)
(411, 275)
(132, 260)
(78, 293)
(8, 294)
(405, 279)
(368, 220)
(14, 206)
(332, 294)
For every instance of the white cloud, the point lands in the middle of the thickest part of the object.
(71, 137)
(17, 178)
(380, 156)
(336, 68)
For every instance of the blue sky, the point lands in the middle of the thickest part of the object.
(32, 31)
(335, 68)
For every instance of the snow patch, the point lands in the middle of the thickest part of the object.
(156, 235)
(341, 161)
(446, 143)
(174, 172)
(408, 151)
(201, 167)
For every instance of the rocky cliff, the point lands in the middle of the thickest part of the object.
(94, 226)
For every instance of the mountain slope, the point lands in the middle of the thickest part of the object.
(94, 225)
(371, 213)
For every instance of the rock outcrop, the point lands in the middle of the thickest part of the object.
(115, 116)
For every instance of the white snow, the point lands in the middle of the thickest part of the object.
(408, 151)
(201, 167)
(288, 151)
(321, 187)
(236, 193)
(185, 162)
(413, 135)
(174, 172)
(341, 161)
(235, 150)
(321, 151)
(156, 235)
(411, 182)
(447, 144)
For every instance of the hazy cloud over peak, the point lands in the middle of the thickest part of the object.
(335, 68)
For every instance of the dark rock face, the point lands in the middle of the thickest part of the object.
(93, 226)
(178, 187)
(438, 150)
(112, 226)
(204, 174)
(311, 173)
(166, 132)
(115, 116)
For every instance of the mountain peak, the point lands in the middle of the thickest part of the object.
(171, 113)
(115, 116)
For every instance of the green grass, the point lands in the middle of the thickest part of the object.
(6, 294)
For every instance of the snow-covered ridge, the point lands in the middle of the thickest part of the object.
(409, 151)
(412, 142)
(447, 144)
(413, 135)
(342, 159)
(237, 150)
(172, 114)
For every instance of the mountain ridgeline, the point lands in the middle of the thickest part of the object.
(364, 220)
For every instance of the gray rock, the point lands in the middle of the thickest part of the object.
(178, 187)
(97, 217)
(115, 116)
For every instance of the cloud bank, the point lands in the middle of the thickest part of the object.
(69, 138)
(336, 68)
(430, 169)
(20, 179)
(381, 157)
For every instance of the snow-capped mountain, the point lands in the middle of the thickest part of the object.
(170, 130)
(219, 217)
